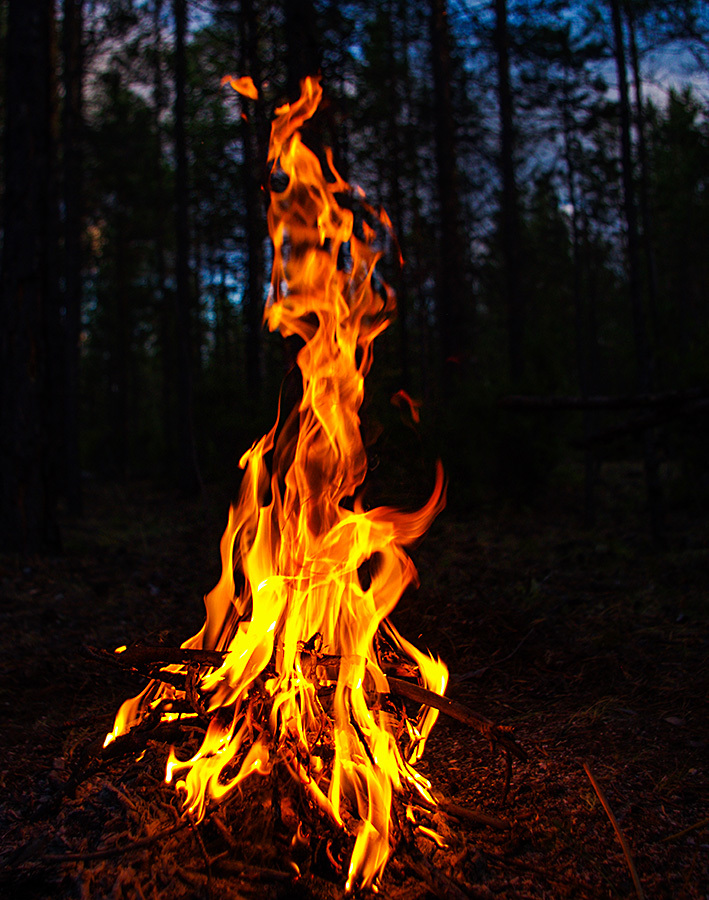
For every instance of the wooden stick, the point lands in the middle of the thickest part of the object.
(619, 833)
(168, 656)
(678, 834)
(115, 851)
(457, 711)
(251, 872)
(152, 656)
(472, 815)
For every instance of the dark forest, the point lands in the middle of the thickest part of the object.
(533, 178)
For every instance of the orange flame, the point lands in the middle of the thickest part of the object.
(305, 618)
(244, 85)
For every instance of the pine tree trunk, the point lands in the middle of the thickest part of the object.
(510, 214)
(642, 351)
(303, 56)
(394, 171)
(120, 353)
(584, 335)
(72, 191)
(452, 295)
(254, 161)
(644, 181)
(168, 364)
(27, 513)
(188, 472)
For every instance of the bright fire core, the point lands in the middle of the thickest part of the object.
(306, 639)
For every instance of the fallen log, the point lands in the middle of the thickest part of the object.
(642, 423)
(626, 401)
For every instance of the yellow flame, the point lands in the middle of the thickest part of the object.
(301, 540)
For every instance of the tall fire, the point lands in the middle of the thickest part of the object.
(301, 653)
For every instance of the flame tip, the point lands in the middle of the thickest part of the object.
(244, 85)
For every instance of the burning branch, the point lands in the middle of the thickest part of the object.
(150, 662)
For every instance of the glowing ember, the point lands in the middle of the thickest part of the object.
(306, 640)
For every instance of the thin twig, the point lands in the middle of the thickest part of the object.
(472, 815)
(477, 673)
(168, 656)
(115, 851)
(253, 873)
(457, 711)
(619, 833)
(678, 834)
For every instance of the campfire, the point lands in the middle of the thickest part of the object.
(297, 666)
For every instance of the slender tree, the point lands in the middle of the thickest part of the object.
(453, 301)
(509, 201)
(72, 147)
(642, 350)
(163, 296)
(254, 158)
(303, 58)
(643, 164)
(27, 495)
(189, 477)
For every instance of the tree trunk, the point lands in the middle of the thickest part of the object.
(254, 162)
(303, 56)
(168, 364)
(394, 171)
(510, 216)
(120, 353)
(582, 332)
(54, 331)
(644, 181)
(642, 351)
(27, 513)
(188, 472)
(452, 293)
(72, 125)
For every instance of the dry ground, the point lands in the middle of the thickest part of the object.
(593, 647)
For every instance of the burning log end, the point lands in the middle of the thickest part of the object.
(137, 655)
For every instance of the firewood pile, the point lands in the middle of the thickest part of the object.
(120, 831)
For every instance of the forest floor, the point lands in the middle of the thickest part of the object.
(593, 647)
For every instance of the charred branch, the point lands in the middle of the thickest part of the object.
(138, 656)
(496, 733)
